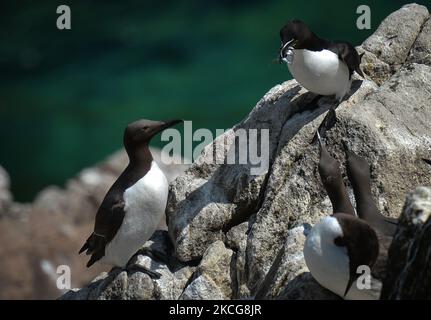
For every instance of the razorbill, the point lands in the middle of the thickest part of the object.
(134, 205)
(338, 244)
(321, 66)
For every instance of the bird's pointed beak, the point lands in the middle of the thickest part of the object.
(281, 53)
(349, 285)
(164, 125)
(171, 123)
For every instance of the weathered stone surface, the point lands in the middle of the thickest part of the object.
(409, 261)
(136, 285)
(210, 197)
(304, 287)
(386, 50)
(236, 239)
(421, 51)
(212, 278)
(377, 70)
(287, 266)
(395, 36)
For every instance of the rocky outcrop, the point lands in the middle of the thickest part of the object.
(120, 284)
(212, 279)
(390, 46)
(242, 229)
(409, 261)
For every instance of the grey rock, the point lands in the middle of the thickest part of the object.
(377, 70)
(409, 261)
(287, 266)
(236, 239)
(421, 50)
(171, 283)
(118, 285)
(386, 50)
(393, 39)
(288, 277)
(212, 279)
(209, 197)
(136, 285)
(304, 287)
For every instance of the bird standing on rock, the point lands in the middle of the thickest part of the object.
(134, 205)
(321, 66)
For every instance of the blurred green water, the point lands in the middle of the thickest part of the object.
(65, 96)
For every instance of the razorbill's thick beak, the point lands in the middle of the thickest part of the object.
(281, 56)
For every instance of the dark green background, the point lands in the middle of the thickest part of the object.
(65, 96)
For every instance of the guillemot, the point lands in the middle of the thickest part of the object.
(338, 244)
(321, 66)
(134, 205)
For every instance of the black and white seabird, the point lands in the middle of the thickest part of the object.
(338, 244)
(134, 205)
(321, 66)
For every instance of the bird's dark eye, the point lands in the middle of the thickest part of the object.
(339, 241)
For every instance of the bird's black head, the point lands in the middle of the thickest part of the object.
(361, 242)
(295, 34)
(139, 133)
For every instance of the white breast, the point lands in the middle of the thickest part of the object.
(145, 204)
(329, 264)
(320, 72)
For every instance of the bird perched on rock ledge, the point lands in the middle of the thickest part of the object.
(135, 204)
(321, 66)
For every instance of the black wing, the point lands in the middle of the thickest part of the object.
(427, 161)
(347, 53)
(109, 218)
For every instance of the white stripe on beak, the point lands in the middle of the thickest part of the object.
(286, 44)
